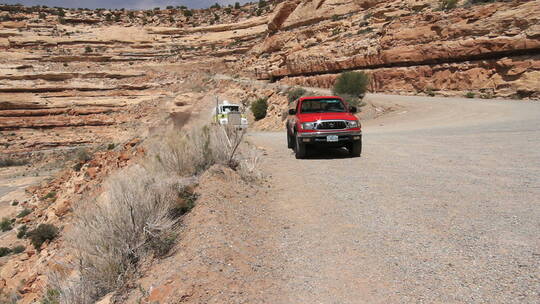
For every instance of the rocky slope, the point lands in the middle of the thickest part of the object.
(23, 276)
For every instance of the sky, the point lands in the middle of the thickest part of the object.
(139, 4)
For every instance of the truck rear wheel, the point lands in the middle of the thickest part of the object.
(355, 148)
(299, 148)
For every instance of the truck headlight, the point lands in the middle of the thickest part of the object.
(223, 121)
(309, 125)
(244, 121)
(352, 123)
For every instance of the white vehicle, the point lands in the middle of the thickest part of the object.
(227, 113)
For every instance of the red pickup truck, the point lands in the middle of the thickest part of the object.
(323, 121)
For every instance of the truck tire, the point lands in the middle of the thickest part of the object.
(299, 149)
(355, 148)
(290, 141)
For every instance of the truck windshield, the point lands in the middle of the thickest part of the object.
(322, 105)
(227, 109)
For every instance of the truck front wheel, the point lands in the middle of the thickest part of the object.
(290, 141)
(355, 148)
(299, 148)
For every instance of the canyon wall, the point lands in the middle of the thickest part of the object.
(406, 46)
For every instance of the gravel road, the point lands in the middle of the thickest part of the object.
(442, 207)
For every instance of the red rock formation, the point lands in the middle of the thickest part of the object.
(405, 50)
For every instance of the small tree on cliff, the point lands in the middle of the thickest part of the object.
(351, 83)
(351, 86)
(259, 107)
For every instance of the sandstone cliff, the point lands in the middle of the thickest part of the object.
(406, 46)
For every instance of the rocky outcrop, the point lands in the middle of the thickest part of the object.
(282, 13)
(44, 89)
(19, 121)
(62, 76)
(397, 40)
(253, 22)
(507, 77)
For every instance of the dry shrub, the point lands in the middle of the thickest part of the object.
(249, 162)
(42, 234)
(131, 222)
(295, 93)
(190, 153)
(136, 217)
(224, 144)
(184, 154)
(74, 290)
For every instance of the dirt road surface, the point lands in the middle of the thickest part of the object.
(442, 207)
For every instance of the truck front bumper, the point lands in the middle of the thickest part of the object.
(344, 137)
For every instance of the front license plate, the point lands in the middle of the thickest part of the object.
(332, 138)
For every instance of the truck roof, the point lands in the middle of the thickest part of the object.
(320, 97)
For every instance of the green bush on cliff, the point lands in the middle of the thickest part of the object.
(351, 83)
(43, 233)
(259, 107)
(5, 224)
(4, 251)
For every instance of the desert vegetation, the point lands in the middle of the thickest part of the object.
(42, 234)
(259, 108)
(138, 216)
(101, 102)
(14, 250)
(295, 93)
(448, 4)
(6, 224)
(351, 86)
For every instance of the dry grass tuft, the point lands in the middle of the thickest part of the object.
(249, 162)
(188, 154)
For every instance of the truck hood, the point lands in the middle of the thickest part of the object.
(311, 117)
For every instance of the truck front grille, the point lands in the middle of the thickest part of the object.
(235, 119)
(331, 125)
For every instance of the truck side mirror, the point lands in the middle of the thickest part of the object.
(354, 109)
(292, 112)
